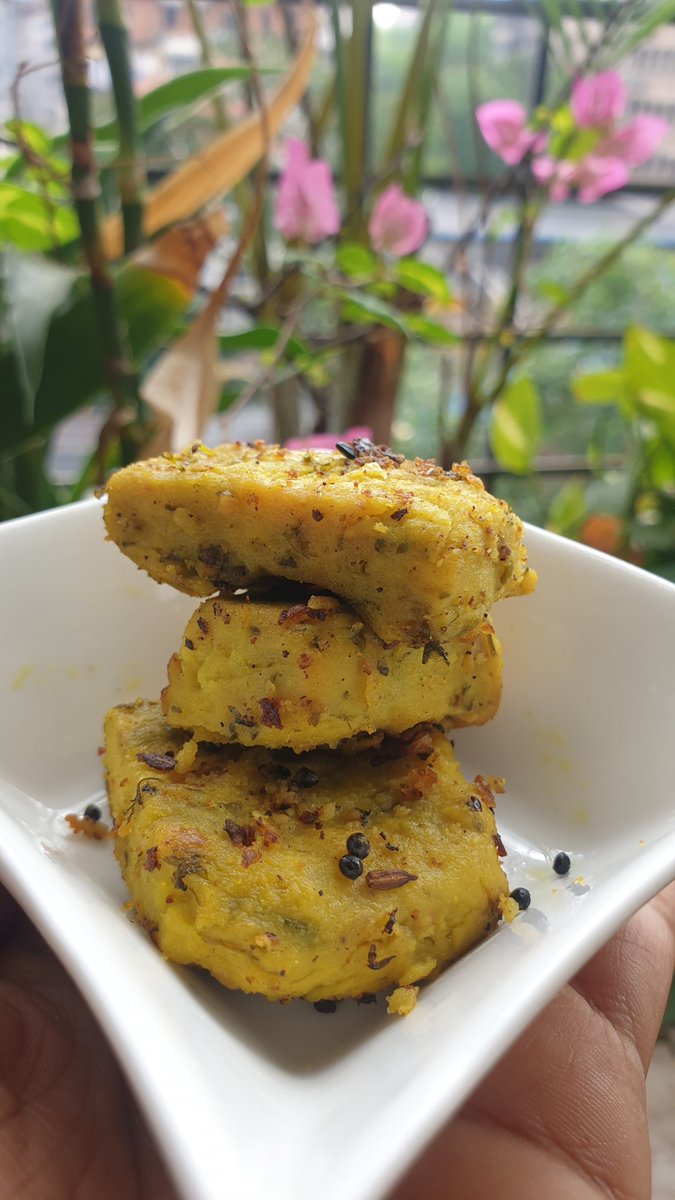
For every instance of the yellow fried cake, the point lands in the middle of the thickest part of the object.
(420, 553)
(306, 674)
(303, 875)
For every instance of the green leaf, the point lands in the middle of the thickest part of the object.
(34, 289)
(25, 220)
(661, 465)
(658, 403)
(643, 342)
(179, 94)
(231, 391)
(362, 308)
(9, 163)
(430, 331)
(650, 375)
(601, 387)
(515, 428)
(576, 146)
(34, 137)
(568, 509)
(662, 14)
(355, 260)
(262, 337)
(555, 292)
(424, 279)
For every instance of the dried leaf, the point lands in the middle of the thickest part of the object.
(182, 389)
(221, 165)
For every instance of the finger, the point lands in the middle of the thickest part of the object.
(62, 1094)
(561, 1116)
(9, 911)
(629, 980)
(564, 1113)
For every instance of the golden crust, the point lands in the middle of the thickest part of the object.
(421, 554)
(234, 865)
(311, 674)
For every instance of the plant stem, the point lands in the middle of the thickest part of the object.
(244, 192)
(356, 109)
(115, 40)
(288, 18)
(69, 26)
(475, 398)
(219, 111)
(593, 273)
(524, 344)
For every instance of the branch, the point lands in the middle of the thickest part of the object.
(268, 376)
(504, 183)
(130, 175)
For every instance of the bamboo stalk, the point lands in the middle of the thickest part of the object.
(355, 116)
(408, 109)
(69, 26)
(115, 40)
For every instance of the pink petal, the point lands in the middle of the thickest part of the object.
(314, 441)
(356, 431)
(636, 142)
(559, 177)
(306, 208)
(596, 176)
(321, 218)
(326, 441)
(598, 100)
(503, 125)
(398, 224)
(297, 154)
(544, 169)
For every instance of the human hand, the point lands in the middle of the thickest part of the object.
(562, 1116)
(69, 1127)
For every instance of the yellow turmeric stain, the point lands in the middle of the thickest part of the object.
(22, 676)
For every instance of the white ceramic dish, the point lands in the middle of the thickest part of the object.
(584, 737)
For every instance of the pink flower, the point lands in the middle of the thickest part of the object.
(598, 100)
(326, 441)
(594, 176)
(306, 208)
(398, 225)
(503, 124)
(636, 142)
(558, 176)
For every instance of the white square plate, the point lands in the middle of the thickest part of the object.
(584, 737)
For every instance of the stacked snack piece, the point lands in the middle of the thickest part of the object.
(291, 817)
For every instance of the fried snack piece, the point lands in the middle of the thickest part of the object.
(234, 866)
(311, 674)
(420, 553)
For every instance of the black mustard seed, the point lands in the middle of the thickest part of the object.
(351, 866)
(358, 844)
(522, 898)
(562, 863)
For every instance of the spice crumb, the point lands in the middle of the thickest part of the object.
(403, 1000)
